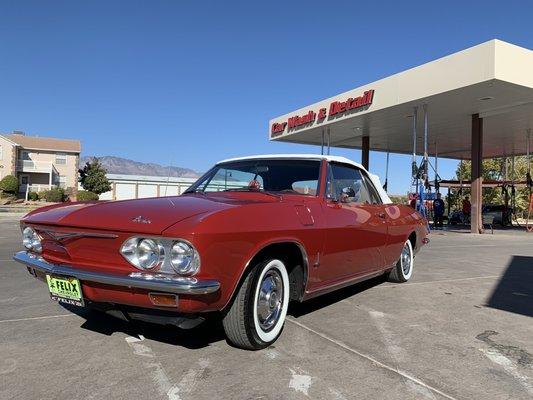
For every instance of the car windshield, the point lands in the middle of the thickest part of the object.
(292, 176)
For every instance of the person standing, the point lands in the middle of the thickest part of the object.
(438, 211)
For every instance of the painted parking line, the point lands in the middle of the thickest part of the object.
(372, 359)
(455, 246)
(472, 278)
(37, 318)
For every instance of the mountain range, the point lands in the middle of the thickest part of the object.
(118, 165)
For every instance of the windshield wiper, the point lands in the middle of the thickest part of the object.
(198, 190)
(263, 191)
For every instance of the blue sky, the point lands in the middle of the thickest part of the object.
(189, 83)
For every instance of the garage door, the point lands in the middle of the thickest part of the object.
(146, 190)
(125, 191)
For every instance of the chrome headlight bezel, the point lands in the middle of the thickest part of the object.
(136, 250)
(184, 258)
(31, 240)
(166, 263)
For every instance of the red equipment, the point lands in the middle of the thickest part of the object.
(529, 226)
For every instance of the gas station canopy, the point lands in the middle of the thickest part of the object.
(492, 81)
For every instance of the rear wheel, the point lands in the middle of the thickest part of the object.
(403, 269)
(257, 315)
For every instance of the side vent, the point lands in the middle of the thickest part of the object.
(304, 215)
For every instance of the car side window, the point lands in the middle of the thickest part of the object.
(346, 184)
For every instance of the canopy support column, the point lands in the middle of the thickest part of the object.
(437, 188)
(476, 219)
(329, 139)
(365, 151)
(426, 135)
(386, 185)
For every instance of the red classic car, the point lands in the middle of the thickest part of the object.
(249, 236)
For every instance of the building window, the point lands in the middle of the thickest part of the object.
(61, 158)
(62, 181)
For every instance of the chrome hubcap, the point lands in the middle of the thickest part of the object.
(269, 300)
(406, 259)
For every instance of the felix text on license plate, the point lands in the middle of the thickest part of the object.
(65, 290)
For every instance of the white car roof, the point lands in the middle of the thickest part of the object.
(375, 179)
(297, 157)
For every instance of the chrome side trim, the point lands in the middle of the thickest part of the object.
(342, 284)
(60, 235)
(140, 280)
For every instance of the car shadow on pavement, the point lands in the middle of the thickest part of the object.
(210, 331)
(514, 291)
(300, 309)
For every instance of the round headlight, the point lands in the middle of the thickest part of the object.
(31, 240)
(184, 258)
(143, 253)
(148, 253)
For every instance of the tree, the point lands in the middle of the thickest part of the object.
(498, 169)
(9, 184)
(93, 177)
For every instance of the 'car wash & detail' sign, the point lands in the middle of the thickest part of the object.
(336, 108)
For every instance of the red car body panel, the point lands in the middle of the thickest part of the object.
(341, 243)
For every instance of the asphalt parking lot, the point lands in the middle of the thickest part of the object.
(462, 328)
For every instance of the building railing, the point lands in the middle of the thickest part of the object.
(37, 189)
(35, 166)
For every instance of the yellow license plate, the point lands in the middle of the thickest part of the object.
(65, 289)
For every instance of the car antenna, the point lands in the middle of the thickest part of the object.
(168, 176)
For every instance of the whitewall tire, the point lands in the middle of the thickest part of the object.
(403, 270)
(256, 317)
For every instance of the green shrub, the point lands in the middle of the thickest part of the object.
(33, 196)
(70, 194)
(9, 184)
(55, 195)
(41, 195)
(85, 195)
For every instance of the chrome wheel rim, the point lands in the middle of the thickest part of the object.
(406, 259)
(269, 300)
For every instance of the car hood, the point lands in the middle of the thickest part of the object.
(148, 216)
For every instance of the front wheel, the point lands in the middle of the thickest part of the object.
(257, 315)
(403, 269)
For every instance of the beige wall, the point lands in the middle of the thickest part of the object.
(69, 170)
(7, 160)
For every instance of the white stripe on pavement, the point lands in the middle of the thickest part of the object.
(439, 281)
(36, 318)
(372, 360)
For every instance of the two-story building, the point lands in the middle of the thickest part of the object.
(40, 162)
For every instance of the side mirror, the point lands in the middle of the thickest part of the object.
(348, 192)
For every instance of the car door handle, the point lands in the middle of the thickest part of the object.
(381, 215)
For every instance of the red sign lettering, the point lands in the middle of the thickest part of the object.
(277, 129)
(335, 108)
(303, 120)
(338, 107)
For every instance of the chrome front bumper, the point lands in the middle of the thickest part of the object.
(139, 280)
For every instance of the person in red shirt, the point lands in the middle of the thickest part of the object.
(466, 206)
